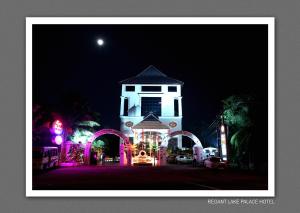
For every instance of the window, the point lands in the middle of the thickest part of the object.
(126, 107)
(176, 113)
(172, 89)
(130, 88)
(151, 88)
(151, 104)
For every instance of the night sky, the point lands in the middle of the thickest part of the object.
(213, 61)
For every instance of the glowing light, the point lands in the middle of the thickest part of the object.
(57, 127)
(58, 139)
(81, 136)
(223, 146)
(223, 137)
(100, 42)
(224, 151)
(222, 129)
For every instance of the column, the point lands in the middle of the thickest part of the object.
(197, 152)
(87, 153)
(179, 141)
(122, 105)
(162, 158)
(129, 155)
(180, 106)
(122, 163)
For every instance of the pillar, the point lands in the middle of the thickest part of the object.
(122, 105)
(179, 138)
(129, 156)
(87, 153)
(162, 156)
(197, 152)
(179, 141)
(64, 151)
(180, 106)
(122, 163)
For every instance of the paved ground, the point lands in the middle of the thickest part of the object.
(176, 177)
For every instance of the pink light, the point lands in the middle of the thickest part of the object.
(57, 127)
(58, 139)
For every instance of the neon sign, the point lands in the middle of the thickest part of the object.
(58, 139)
(57, 127)
(223, 143)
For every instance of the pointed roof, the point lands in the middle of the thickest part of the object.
(151, 75)
(151, 71)
(150, 122)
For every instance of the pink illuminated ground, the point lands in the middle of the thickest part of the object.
(151, 178)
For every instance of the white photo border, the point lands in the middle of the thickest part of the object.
(270, 21)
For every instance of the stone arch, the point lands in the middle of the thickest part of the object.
(184, 133)
(124, 146)
(197, 148)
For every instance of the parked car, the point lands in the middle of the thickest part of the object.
(184, 159)
(214, 163)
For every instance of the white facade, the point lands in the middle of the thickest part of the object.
(170, 115)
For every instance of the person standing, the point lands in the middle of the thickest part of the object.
(195, 160)
(103, 158)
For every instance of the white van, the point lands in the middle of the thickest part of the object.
(44, 157)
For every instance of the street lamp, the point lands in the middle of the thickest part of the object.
(223, 135)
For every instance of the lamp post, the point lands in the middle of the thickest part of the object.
(223, 139)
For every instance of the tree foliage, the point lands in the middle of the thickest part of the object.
(237, 115)
(81, 135)
(236, 111)
(41, 117)
(79, 119)
(99, 144)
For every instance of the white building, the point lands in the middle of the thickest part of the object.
(151, 107)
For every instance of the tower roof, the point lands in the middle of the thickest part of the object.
(151, 75)
(150, 122)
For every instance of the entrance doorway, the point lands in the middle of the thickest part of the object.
(124, 149)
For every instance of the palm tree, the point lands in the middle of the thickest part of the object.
(237, 117)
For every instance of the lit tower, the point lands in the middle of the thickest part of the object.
(151, 102)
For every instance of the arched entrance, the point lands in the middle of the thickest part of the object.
(124, 146)
(197, 148)
(183, 133)
(146, 142)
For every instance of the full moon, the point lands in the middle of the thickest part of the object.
(100, 42)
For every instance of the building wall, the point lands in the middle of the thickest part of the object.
(167, 104)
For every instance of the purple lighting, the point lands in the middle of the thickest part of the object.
(58, 139)
(57, 127)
